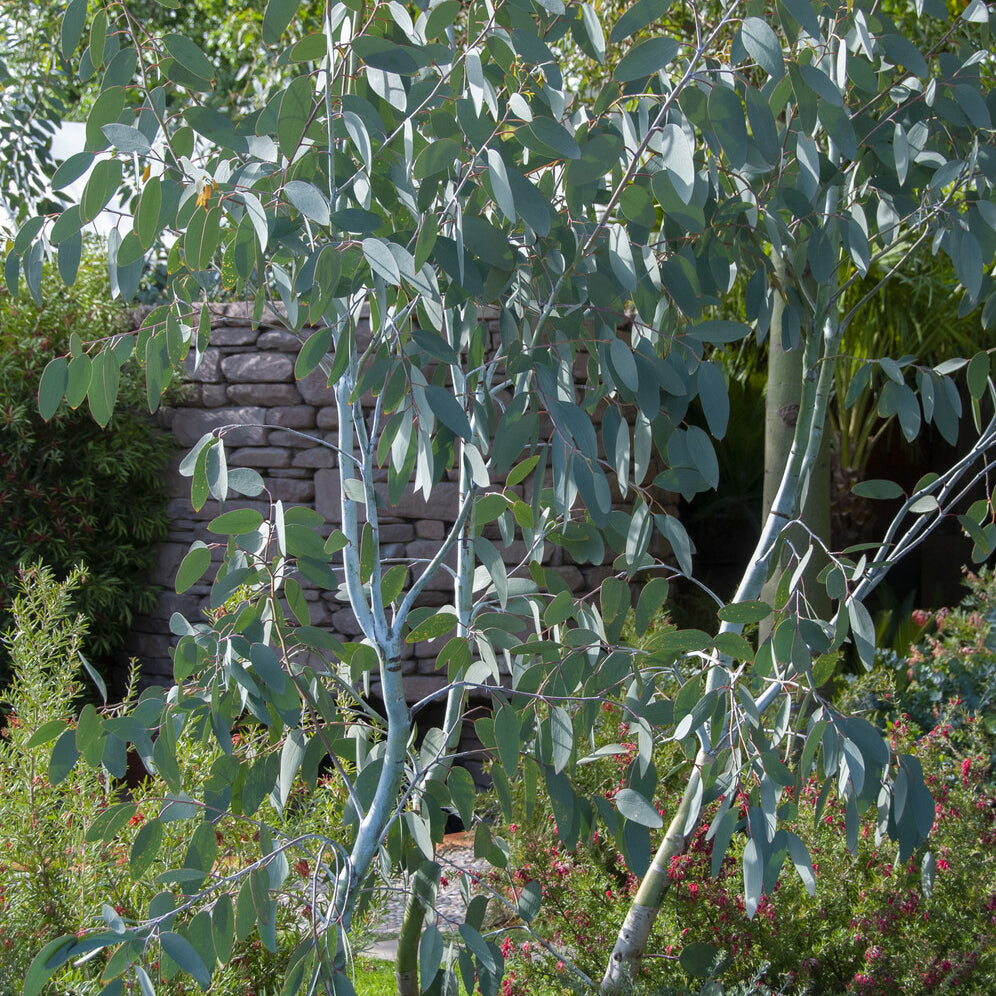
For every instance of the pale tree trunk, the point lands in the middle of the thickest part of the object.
(781, 413)
(631, 942)
(356, 462)
(406, 964)
(807, 441)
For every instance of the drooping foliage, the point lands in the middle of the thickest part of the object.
(422, 167)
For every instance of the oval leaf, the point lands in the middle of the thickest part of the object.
(192, 567)
(878, 489)
(635, 807)
(236, 523)
(52, 386)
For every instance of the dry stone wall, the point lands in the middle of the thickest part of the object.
(245, 388)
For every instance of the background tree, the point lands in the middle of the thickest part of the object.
(424, 167)
(73, 492)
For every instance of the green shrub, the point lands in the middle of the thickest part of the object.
(71, 492)
(956, 665)
(870, 929)
(54, 857)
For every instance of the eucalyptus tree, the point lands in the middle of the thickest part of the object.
(427, 167)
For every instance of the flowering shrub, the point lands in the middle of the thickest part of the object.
(586, 890)
(957, 660)
(871, 928)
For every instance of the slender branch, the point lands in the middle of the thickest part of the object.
(423, 579)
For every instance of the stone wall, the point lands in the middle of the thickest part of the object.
(277, 425)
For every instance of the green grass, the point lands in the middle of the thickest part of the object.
(375, 978)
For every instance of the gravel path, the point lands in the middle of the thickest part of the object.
(456, 856)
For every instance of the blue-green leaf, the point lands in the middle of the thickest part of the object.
(762, 44)
(430, 956)
(449, 411)
(186, 956)
(554, 136)
(637, 808)
(276, 18)
(641, 15)
(192, 567)
(126, 138)
(296, 107)
(381, 260)
(189, 56)
(647, 58)
(73, 22)
(718, 330)
(500, 185)
(309, 200)
(52, 386)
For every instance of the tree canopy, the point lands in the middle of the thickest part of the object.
(424, 164)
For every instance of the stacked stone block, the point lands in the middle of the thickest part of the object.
(245, 387)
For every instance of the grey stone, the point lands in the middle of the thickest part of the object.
(277, 339)
(396, 533)
(443, 504)
(327, 494)
(573, 578)
(189, 425)
(345, 622)
(209, 370)
(419, 686)
(258, 367)
(178, 507)
(430, 529)
(438, 592)
(176, 485)
(292, 440)
(234, 335)
(168, 557)
(264, 394)
(313, 661)
(318, 456)
(315, 388)
(288, 489)
(259, 456)
(149, 645)
(319, 612)
(233, 313)
(293, 417)
(170, 602)
(214, 395)
(593, 576)
(426, 549)
(427, 665)
(328, 417)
